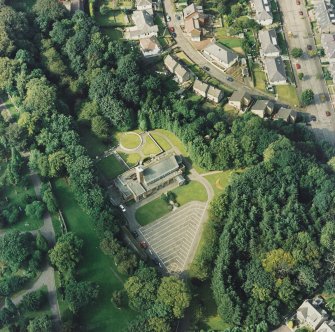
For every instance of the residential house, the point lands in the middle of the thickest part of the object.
(286, 114)
(142, 181)
(275, 70)
(328, 43)
(207, 91)
(325, 16)
(263, 108)
(269, 44)
(150, 46)
(327, 327)
(176, 68)
(194, 20)
(144, 25)
(311, 314)
(262, 9)
(144, 4)
(221, 54)
(240, 99)
(200, 88)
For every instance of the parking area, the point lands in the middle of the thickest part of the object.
(172, 237)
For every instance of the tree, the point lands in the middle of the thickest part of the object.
(14, 168)
(67, 253)
(40, 324)
(307, 97)
(301, 76)
(48, 198)
(41, 242)
(118, 298)
(32, 301)
(100, 127)
(297, 52)
(80, 294)
(35, 210)
(174, 293)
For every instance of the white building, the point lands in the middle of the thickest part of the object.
(275, 70)
(328, 43)
(262, 9)
(144, 25)
(144, 4)
(269, 43)
(221, 54)
(150, 46)
(311, 314)
(263, 108)
(176, 68)
(207, 91)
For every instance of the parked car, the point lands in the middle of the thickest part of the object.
(328, 113)
(309, 47)
(301, 13)
(168, 18)
(313, 117)
(230, 79)
(171, 29)
(123, 209)
(173, 34)
(205, 68)
(143, 245)
(135, 234)
(297, 65)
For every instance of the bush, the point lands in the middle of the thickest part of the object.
(118, 298)
(11, 285)
(33, 301)
(35, 209)
(296, 52)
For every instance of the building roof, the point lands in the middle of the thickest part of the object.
(285, 114)
(324, 13)
(275, 69)
(170, 63)
(144, 23)
(191, 9)
(221, 52)
(214, 92)
(262, 105)
(149, 44)
(328, 43)
(200, 86)
(143, 3)
(239, 95)
(311, 314)
(159, 170)
(180, 70)
(262, 9)
(268, 40)
(191, 24)
(327, 327)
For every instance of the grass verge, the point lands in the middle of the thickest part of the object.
(110, 167)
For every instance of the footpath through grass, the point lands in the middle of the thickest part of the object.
(102, 316)
(193, 191)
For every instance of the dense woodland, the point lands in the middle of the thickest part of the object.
(273, 238)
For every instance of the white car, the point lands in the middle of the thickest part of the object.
(123, 209)
(168, 18)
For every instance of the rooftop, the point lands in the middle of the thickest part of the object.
(200, 86)
(275, 69)
(268, 40)
(239, 95)
(221, 52)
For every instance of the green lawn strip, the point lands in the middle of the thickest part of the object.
(174, 140)
(288, 94)
(115, 18)
(219, 181)
(129, 140)
(231, 42)
(131, 159)
(94, 266)
(110, 167)
(92, 143)
(149, 147)
(260, 77)
(193, 191)
(162, 142)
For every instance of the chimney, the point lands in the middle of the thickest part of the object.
(139, 174)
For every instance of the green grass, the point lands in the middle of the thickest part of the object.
(162, 142)
(231, 42)
(110, 167)
(260, 77)
(129, 140)
(113, 33)
(219, 181)
(149, 147)
(95, 266)
(114, 18)
(288, 94)
(23, 5)
(174, 140)
(131, 159)
(193, 191)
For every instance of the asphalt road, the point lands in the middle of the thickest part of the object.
(302, 32)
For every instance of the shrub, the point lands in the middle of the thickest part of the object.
(35, 209)
(33, 301)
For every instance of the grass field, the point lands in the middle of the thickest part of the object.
(288, 94)
(162, 142)
(193, 191)
(115, 18)
(113, 33)
(95, 266)
(219, 181)
(150, 148)
(131, 159)
(174, 140)
(129, 140)
(260, 77)
(110, 167)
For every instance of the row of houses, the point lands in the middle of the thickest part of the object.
(262, 11)
(194, 20)
(243, 101)
(174, 67)
(144, 29)
(207, 91)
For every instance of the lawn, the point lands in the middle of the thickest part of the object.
(129, 140)
(95, 266)
(150, 147)
(113, 33)
(114, 18)
(231, 42)
(193, 191)
(219, 181)
(288, 94)
(110, 167)
(131, 159)
(260, 77)
(174, 140)
(162, 142)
